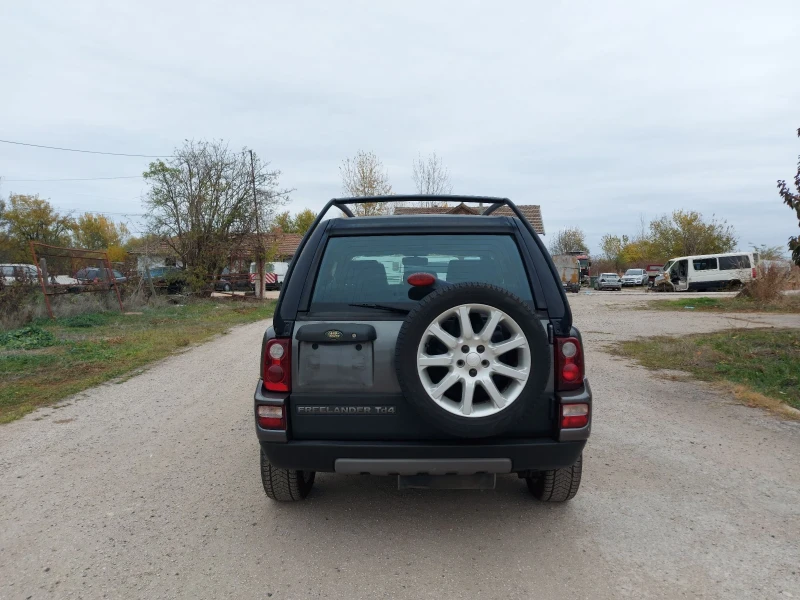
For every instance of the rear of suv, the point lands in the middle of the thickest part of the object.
(435, 348)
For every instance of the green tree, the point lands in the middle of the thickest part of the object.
(27, 218)
(6, 245)
(96, 232)
(611, 247)
(569, 239)
(365, 175)
(284, 221)
(636, 252)
(299, 223)
(686, 232)
(303, 221)
(792, 200)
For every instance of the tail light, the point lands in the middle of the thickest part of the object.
(574, 416)
(277, 374)
(271, 417)
(569, 364)
(753, 272)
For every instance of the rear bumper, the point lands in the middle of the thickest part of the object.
(417, 457)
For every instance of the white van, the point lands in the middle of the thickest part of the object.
(707, 272)
(274, 273)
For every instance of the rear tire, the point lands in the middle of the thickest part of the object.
(557, 485)
(285, 485)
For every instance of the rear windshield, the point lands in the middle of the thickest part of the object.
(374, 268)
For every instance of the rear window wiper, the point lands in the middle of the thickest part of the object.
(396, 309)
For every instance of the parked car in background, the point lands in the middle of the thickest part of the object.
(95, 275)
(229, 282)
(608, 281)
(172, 279)
(635, 277)
(19, 273)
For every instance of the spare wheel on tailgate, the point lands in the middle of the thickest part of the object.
(471, 357)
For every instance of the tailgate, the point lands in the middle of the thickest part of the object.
(344, 387)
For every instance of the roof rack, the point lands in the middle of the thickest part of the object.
(341, 204)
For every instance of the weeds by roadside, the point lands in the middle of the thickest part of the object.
(47, 361)
(768, 287)
(763, 362)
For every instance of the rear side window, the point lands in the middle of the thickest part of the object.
(374, 268)
(704, 264)
(728, 263)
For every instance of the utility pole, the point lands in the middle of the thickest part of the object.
(259, 246)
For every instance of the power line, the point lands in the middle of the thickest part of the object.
(79, 178)
(87, 151)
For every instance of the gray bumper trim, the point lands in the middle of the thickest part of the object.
(389, 466)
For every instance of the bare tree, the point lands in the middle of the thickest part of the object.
(201, 201)
(569, 239)
(431, 177)
(365, 175)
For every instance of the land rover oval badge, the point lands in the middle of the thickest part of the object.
(334, 334)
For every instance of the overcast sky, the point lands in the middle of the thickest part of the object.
(598, 111)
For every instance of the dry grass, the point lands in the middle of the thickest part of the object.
(21, 304)
(747, 396)
(768, 287)
(764, 364)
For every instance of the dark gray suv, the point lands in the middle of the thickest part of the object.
(438, 349)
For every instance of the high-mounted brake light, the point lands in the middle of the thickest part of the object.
(421, 279)
(271, 417)
(277, 368)
(569, 364)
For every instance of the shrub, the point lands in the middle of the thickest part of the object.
(18, 304)
(769, 286)
(27, 338)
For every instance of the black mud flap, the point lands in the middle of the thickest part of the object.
(479, 481)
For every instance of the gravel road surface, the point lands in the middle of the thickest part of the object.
(149, 488)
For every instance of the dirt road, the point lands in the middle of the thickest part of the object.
(149, 488)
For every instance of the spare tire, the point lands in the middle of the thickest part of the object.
(471, 358)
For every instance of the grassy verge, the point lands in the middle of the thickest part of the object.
(764, 364)
(786, 304)
(50, 360)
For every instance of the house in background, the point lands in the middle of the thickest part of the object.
(532, 212)
(280, 246)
